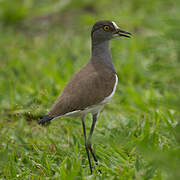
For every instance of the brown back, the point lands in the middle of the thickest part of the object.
(89, 86)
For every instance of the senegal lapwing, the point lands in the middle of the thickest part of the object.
(93, 85)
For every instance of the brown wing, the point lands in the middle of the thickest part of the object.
(89, 86)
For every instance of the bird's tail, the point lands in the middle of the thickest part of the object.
(45, 120)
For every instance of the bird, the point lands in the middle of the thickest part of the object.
(92, 86)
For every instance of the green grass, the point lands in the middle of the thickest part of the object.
(43, 44)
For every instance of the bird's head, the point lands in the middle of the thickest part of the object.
(106, 30)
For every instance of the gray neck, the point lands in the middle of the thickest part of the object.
(101, 52)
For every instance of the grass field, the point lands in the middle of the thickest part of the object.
(43, 43)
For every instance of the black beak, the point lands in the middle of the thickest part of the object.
(120, 32)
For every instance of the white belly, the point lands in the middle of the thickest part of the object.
(111, 95)
(91, 109)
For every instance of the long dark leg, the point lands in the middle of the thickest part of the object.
(86, 145)
(90, 135)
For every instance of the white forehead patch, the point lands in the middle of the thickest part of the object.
(115, 25)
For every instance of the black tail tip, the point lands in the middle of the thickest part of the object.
(45, 120)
